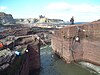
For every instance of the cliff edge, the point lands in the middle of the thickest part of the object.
(6, 18)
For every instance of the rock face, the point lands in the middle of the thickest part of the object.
(78, 43)
(6, 18)
(12, 63)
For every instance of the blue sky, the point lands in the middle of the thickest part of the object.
(82, 10)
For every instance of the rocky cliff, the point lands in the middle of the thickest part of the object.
(38, 20)
(20, 57)
(78, 43)
(6, 18)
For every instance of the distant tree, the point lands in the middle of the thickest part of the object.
(41, 16)
(35, 20)
(28, 21)
(22, 20)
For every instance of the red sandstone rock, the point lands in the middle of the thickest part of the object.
(87, 49)
(34, 55)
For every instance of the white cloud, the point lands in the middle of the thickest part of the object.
(3, 8)
(73, 7)
(63, 10)
(58, 6)
(85, 8)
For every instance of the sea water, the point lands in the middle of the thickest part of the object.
(52, 65)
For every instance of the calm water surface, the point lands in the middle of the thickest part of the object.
(52, 65)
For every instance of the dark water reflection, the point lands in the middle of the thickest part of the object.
(52, 65)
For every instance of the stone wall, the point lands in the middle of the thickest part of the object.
(64, 43)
